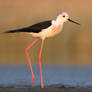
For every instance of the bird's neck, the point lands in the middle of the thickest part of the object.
(59, 22)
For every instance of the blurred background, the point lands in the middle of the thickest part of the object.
(72, 46)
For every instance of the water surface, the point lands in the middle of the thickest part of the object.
(53, 75)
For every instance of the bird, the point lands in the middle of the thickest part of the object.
(43, 30)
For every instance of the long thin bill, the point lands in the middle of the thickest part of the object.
(73, 21)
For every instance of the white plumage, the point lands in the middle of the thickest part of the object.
(54, 29)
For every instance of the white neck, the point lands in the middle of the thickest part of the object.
(58, 22)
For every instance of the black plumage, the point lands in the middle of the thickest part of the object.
(36, 28)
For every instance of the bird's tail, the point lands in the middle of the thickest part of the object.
(17, 30)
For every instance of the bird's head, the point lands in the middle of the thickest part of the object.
(63, 17)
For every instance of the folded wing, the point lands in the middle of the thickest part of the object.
(36, 28)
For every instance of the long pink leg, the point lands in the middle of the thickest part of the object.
(42, 85)
(26, 52)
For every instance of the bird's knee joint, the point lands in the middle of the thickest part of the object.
(26, 50)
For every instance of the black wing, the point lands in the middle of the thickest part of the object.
(36, 28)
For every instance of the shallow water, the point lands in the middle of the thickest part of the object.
(53, 75)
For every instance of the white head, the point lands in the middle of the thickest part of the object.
(63, 17)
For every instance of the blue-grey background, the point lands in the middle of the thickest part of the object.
(20, 76)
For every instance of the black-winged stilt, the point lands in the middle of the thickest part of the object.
(43, 30)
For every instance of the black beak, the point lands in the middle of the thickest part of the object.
(73, 21)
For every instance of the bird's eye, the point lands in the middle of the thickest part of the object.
(63, 16)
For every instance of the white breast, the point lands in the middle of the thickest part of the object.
(54, 30)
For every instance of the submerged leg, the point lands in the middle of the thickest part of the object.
(26, 52)
(42, 86)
